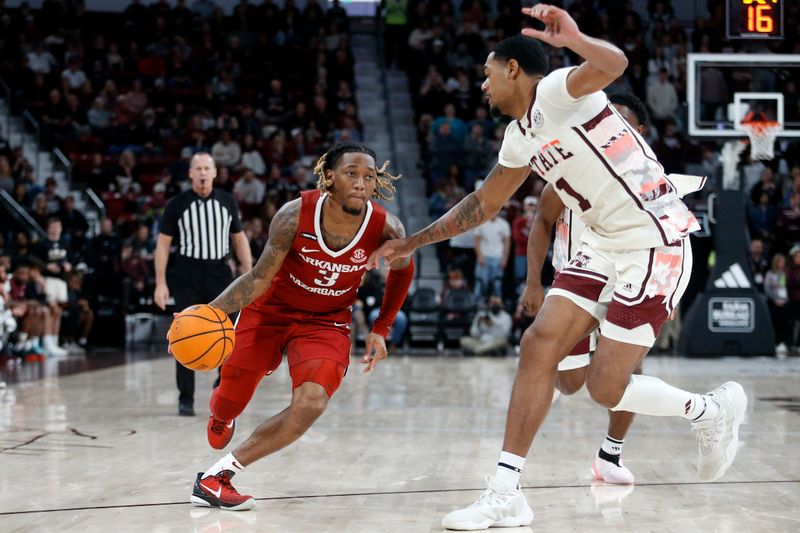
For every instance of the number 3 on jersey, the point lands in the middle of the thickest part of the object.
(326, 280)
(583, 203)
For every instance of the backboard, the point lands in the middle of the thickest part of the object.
(723, 90)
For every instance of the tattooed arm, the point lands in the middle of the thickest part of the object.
(472, 211)
(249, 286)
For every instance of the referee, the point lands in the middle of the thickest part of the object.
(205, 221)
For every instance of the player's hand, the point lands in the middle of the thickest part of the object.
(390, 250)
(374, 352)
(161, 296)
(560, 28)
(532, 298)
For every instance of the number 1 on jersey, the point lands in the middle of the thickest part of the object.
(583, 203)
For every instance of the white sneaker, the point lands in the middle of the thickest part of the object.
(610, 473)
(718, 439)
(781, 351)
(497, 507)
(52, 348)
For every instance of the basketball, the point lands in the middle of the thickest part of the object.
(201, 337)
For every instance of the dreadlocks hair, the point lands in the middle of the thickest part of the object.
(384, 190)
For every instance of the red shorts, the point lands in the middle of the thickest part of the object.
(262, 338)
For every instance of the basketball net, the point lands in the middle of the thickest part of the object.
(762, 135)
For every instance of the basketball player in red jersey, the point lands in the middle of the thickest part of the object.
(298, 298)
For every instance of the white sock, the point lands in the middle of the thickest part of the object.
(612, 446)
(509, 470)
(229, 463)
(647, 395)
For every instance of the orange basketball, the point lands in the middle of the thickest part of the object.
(201, 337)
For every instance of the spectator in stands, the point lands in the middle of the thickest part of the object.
(22, 253)
(55, 118)
(671, 148)
(793, 290)
(40, 60)
(226, 152)
(777, 298)
(520, 230)
(490, 330)
(104, 259)
(54, 201)
(455, 281)
(791, 185)
(74, 80)
(75, 225)
(662, 99)
(789, 224)
(445, 151)
(395, 27)
(249, 192)
(758, 263)
(763, 218)
(492, 246)
(251, 157)
(6, 179)
(78, 316)
(478, 154)
(39, 211)
(52, 295)
(27, 304)
(126, 173)
(767, 186)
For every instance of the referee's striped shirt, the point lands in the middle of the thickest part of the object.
(202, 226)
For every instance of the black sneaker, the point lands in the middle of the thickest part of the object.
(186, 408)
(217, 491)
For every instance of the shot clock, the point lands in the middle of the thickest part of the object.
(754, 19)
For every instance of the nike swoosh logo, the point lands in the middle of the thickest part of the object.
(338, 325)
(308, 250)
(214, 492)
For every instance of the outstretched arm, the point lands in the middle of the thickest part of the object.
(249, 286)
(604, 61)
(471, 212)
(547, 212)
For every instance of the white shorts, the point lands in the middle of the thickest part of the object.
(579, 356)
(55, 290)
(630, 293)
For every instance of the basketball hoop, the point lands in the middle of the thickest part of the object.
(762, 135)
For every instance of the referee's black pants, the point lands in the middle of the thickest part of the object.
(195, 281)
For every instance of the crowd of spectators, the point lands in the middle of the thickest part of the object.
(129, 97)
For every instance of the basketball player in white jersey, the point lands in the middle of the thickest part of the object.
(630, 270)
(572, 370)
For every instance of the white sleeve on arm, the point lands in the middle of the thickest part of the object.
(552, 90)
(514, 152)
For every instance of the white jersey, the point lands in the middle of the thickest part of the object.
(569, 231)
(569, 227)
(599, 166)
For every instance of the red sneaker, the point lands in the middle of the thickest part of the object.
(217, 491)
(220, 432)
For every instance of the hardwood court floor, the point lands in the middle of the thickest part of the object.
(104, 451)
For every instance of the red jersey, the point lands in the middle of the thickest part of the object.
(314, 278)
